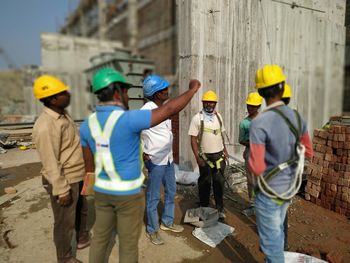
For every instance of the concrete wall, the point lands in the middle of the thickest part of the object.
(12, 99)
(223, 43)
(157, 39)
(67, 57)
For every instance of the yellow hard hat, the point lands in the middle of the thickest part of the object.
(269, 75)
(46, 86)
(287, 91)
(210, 96)
(254, 99)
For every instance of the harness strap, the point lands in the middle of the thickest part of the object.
(200, 137)
(273, 172)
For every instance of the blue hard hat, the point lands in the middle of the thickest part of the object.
(152, 84)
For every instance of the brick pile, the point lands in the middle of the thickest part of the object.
(328, 175)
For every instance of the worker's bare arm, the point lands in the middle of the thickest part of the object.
(89, 160)
(175, 105)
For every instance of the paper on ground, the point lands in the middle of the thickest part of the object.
(213, 234)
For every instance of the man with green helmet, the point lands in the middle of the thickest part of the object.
(111, 147)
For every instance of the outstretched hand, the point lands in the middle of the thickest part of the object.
(194, 84)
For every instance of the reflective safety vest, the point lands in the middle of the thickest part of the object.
(104, 159)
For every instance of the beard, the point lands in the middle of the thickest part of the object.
(208, 109)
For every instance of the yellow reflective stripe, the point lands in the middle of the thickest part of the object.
(122, 186)
(104, 159)
(215, 131)
(218, 163)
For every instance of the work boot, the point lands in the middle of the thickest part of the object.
(173, 227)
(222, 215)
(249, 211)
(155, 238)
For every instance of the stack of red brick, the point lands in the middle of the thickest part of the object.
(328, 175)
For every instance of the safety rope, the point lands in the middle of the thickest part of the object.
(293, 189)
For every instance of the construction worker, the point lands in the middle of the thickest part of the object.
(111, 148)
(278, 142)
(57, 141)
(253, 102)
(207, 142)
(158, 157)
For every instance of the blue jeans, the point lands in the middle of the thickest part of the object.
(269, 218)
(157, 175)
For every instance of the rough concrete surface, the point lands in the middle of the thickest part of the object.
(16, 157)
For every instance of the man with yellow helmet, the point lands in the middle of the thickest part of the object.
(207, 142)
(254, 101)
(278, 142)
(57, 141)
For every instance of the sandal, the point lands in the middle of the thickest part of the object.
(83, 244)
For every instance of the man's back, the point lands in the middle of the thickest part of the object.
(270, 133)
(124, 141)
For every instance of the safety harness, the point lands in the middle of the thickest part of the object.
(200, 137)
(104, 159)
(298, 160)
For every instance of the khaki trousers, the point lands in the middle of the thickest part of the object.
(123, 214)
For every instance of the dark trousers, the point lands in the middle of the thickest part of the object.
(208, 175)
(67, 219)
(285, 228)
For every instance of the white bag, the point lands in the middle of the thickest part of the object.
(185, 177)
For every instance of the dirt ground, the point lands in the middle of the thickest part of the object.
(26, 228)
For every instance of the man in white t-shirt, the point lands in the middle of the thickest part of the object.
(158, 157)
(207, 141)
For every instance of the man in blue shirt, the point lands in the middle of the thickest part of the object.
(111, 148)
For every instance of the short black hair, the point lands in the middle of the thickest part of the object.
(272, 91)
(46, 101)
(107, 93)
(286, 100)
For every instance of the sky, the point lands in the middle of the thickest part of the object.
(22, 21)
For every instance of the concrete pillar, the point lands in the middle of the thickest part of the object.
(102, 19)
(132, 25)
(82, 22)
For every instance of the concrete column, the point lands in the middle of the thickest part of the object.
(82, 22)
(102, 19)
(132, 25)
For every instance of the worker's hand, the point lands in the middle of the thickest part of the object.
(146, 157)
(65, 199)
(194, 84)
(200, 161)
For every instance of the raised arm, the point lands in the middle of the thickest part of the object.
(175, 105)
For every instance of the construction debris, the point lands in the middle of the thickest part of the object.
(10, 190)
(213, 235)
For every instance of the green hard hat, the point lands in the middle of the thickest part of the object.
(105, 77)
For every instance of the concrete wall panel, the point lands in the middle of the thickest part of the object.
(223, 43)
